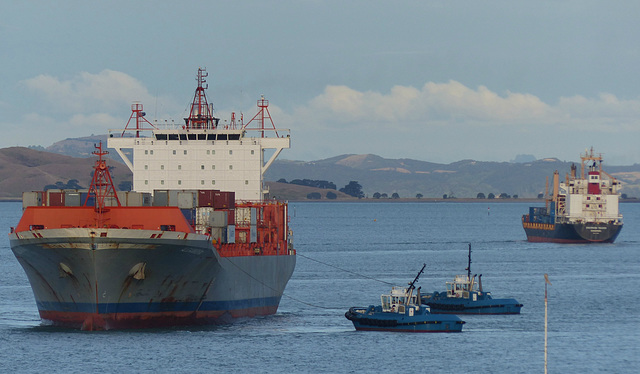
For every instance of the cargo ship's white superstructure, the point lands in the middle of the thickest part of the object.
(202, 154)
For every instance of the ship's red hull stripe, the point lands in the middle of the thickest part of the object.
(95, 321)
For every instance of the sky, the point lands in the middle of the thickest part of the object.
(437, 81)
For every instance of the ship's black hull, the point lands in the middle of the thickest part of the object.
(588, 232)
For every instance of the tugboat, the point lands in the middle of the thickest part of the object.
(581, 210)
(465, 296)
(401, 311)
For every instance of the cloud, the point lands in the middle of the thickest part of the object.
(450, 121)
(87, 93)
(453, 104)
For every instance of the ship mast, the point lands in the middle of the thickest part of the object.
(101, 185)
(468, 269)
(263, 113)
(138, 114)
(201, 113)
(590, 156)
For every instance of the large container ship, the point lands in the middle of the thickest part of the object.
(583, 209)
(197, 241)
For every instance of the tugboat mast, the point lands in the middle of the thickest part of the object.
(411, 284)
(468, 269)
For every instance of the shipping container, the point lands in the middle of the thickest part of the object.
(55, 198)
(242, 236)
(122, 197)
(189, 215)
(186, 199)
(243, 216)
(90, 202)
(72, 198)
(160, 198)
(110, 201)
(231, 217)
(224, 200)
(231, 234)
(205, 198)
(253, 233)
(254, 216)
(210, 217)
(33, 198)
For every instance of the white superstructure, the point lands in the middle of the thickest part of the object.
(191, 159)
(201, 154)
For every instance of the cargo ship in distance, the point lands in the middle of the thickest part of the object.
(584, 209)
(198, 240)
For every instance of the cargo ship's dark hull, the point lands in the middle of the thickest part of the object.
(588, 232)
(124, 280)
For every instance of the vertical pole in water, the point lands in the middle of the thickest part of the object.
(546, 280)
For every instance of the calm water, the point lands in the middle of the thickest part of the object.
(347, 253)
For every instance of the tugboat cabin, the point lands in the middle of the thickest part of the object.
(461, 286)
(399, 300)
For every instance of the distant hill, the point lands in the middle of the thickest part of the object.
(82, 147)
(23, 169)
(463, 179)
(286, 191)
(77, 147)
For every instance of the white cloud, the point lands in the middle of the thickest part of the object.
(440, 122)
(452, 102)
(86, 92)
(449, 121)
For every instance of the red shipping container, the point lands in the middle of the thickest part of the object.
(56, 198)
(206, 198)
(231, 217)
(224, 200)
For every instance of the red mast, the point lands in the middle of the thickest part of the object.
(201, 113)
(263, 113)
(138, 114)
(101, 184)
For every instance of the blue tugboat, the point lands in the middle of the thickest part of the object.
(401, 311)
(465, 296)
